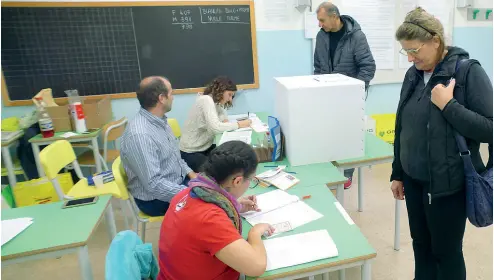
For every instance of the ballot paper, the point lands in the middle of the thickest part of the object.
(244, 136)
(299, 248)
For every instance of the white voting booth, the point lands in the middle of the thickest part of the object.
(322, 117)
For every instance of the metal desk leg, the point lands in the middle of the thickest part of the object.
(7, 159)
(366, 270)
(85, 264)
(340, 194)
(41, 172)
(325, 276)
(110, 222)
(342, 274)
(96, 154)
(360, 190)
(397, 224)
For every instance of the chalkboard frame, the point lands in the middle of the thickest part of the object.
(5, 95)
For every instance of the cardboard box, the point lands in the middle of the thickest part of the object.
(322, 117)
(60, 116)
(97, 112)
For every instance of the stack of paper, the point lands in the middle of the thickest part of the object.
(11, 228)
(244, 136)
(299, 248)
(278, 206)
(257, 124)
(9, 135)
(278, 178)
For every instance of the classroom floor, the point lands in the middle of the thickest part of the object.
(376, 222)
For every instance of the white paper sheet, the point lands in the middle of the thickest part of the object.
(344, 213)
(299, 248)
(377, 20)
(233, 118)
(244, 136)
(12, 228)
(270, 201)
(298, 214)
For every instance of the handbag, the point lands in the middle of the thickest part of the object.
(478, 186)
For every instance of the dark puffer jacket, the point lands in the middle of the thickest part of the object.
(352, 56)
(473, 120)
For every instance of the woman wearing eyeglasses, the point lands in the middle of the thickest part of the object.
(207, 118)
(201, 234)
(427, 168)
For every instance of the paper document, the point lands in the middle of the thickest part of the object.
(9, 135)
(299, 248)
(11, 228)
(278, 206)
(234, 118)
(244, 136)
(278, 178)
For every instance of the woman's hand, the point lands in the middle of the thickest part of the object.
(249, 203)
(260, 229)
(244, 123)
(225, 121)
(441, 95)
(398, 190)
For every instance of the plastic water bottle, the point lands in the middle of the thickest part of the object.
(44, 120)
(75, 104)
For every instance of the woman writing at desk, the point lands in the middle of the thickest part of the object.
(200, 235)
(427, 167)
(207, 118)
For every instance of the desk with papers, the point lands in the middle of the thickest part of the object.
(352, 248)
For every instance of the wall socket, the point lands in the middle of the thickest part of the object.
(474, 14)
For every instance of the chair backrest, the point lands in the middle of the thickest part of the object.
(128, 258)
(120, 177)
(173, 123)
(111, 132)
(55, 157)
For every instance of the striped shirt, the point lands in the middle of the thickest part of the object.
(151, 158)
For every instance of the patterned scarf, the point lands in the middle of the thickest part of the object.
(208, 190)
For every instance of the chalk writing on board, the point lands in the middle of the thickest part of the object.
(225, 15)
(182, 17)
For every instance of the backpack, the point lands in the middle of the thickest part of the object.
(478, 186)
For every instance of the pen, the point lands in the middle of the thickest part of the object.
(270, 166)
(306, 197)
(290, 172)
(248, 114)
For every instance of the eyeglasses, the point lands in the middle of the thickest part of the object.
(254, 181)
(412, 52)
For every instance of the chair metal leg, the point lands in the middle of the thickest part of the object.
(123, 205)
(143, 235)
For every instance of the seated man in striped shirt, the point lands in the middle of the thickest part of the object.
(150, 152)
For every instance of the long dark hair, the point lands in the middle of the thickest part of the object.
(230, 158)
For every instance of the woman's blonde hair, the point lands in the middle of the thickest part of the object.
(422, 26)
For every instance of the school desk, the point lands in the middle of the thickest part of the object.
(91, 137)
(353, 248)
(377, 151)
(55, 232)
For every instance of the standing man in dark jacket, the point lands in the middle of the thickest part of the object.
(341, 47)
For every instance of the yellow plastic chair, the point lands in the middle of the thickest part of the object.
(173, 123)
(121, 180)
(58, 155)
(18, 170)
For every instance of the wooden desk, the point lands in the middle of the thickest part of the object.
(377, 152)
(54, 232)
(353, 247)
(92, 137)
(7, 158)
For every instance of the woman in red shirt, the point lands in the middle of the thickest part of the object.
(200, 236)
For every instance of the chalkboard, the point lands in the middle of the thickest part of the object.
(108, 49)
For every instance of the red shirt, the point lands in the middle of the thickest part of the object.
(192, 232)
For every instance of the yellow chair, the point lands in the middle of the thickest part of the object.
(173, 123)
(18, 170)
(121, 180)
(58, 155)
(111, 133)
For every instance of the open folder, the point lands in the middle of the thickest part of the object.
(278, 206)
